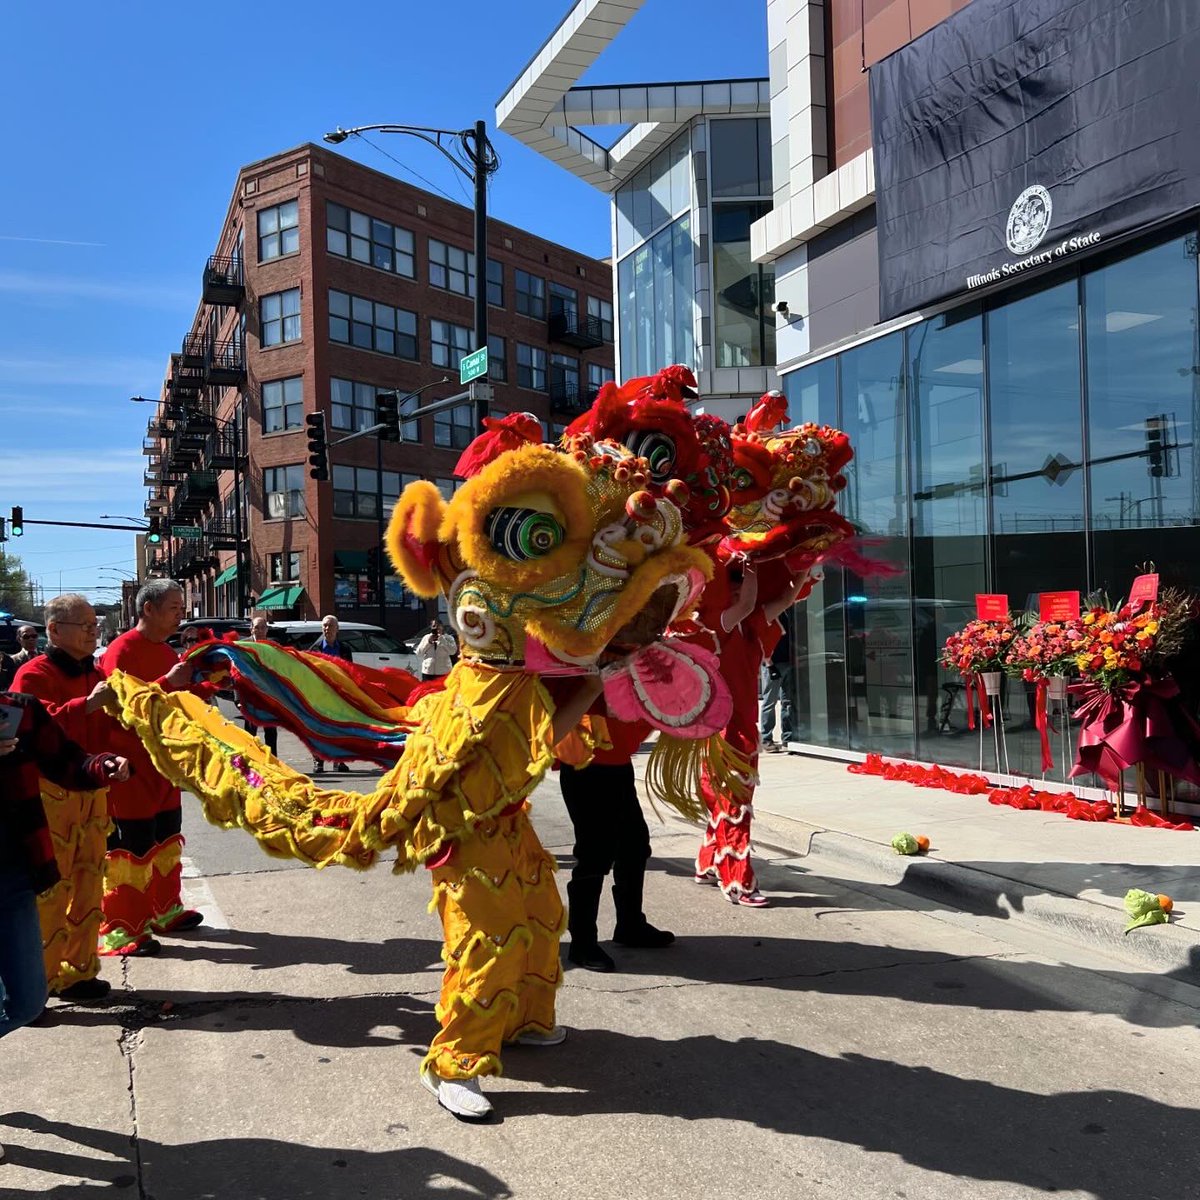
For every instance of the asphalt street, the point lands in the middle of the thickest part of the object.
(846, 1042)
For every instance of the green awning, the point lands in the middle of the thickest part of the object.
(350, 560)
(280, 597)
(225, 576)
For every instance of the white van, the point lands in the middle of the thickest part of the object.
(370, 645)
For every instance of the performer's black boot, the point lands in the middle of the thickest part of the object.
(632, 927)
(583, 906)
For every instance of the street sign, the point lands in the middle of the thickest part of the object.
(188, 532)
(473, 366)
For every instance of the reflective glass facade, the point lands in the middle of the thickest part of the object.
(1040, 441)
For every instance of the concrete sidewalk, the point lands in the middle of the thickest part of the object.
(987, 858)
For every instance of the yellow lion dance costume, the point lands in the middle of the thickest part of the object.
(565, 548)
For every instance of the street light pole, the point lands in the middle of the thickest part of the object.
(481, 161)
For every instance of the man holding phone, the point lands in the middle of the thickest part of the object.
(68, 683)
(32, 747)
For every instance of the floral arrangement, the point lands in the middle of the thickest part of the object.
(979, 646)
(1047, 649)
(1117, 645)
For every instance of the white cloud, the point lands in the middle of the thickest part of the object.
(134, 293)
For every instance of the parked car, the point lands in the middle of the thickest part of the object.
(371, 645)
(217, 626)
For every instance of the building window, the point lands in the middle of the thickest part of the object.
(354, 491)
(531, 367)
(495, 283)
(657, 195)
(564, 301)
(739, 155)
(743, 292)
(354, 235)
(448, 343)
(278, 230)
(352, 407)
(279, 315)
(656, 285)
(283, 404)
(597, 376)
(531, 295)
(284, 491)
(450, 268)
(497, 360)
(454, 427)
(602, 311)
(285, 568)
(368, 325)
(564, 377)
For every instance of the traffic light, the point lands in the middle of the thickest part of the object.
(1155, 429)
(17, 523)
(154, 533)
(318, 447)
(3, 530)
(387, 414)
(373, 563)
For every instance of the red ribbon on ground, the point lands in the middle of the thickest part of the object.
(1024, 797)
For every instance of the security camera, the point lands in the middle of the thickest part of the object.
(781, 307)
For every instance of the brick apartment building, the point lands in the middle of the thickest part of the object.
(331, 282)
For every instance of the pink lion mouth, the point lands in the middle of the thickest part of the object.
(675, 686)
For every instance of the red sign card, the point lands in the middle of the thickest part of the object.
(990, 607)
(1059, 606)
(1143, 591)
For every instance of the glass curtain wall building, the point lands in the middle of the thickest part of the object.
(1040, 441)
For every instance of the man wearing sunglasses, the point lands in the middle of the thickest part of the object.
(65, 679)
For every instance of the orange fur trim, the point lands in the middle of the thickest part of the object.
(412, 537)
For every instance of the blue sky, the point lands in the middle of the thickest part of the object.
(125, 126)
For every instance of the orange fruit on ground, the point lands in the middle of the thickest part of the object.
(1165, 903)
(922, 842)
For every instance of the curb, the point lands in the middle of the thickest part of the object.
(1166, 949)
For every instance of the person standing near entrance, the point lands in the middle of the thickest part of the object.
(258, 633)
(330, 643)
(27, 636)
(142, 869)
(69, 684)
(436, 651)
(776, 689)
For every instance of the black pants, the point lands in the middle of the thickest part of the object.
(270, 735)
(610, 835)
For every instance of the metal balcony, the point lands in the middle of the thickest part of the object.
(151, 445)
(194, 350)
(225, 365)
(222, 534)
(574, 329)
(567, 396)
(222, 447)
(223, 281)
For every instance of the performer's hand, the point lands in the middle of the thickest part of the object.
(179, 677)
(116, 768)
(7, 746)
(99, 696)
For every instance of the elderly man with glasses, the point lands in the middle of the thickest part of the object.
(142, 871)
(65, 679)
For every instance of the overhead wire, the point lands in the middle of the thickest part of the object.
(404, 167)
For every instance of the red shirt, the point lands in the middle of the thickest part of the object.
(63, 684)
(147, 793)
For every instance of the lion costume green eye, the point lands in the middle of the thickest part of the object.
(658, 449)
(523, 533)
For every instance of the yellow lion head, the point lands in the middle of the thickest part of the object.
(564, 546)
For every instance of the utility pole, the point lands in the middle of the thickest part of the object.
(479, 161)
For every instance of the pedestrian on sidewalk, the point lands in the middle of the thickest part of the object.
(28, 863)
(69, 684)
(331, 644)
(610, 835)
(776, 689)
(436, 651)
(142, 870)
(258, 633)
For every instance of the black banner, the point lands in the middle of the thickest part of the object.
(1018, 132)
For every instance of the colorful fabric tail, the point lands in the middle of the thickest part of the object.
(338, 710)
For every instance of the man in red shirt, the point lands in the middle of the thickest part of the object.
(142, 868)
(65, 679)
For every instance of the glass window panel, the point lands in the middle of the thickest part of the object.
(741, 290)
(335, 242)
(361, 335)
(290, 241)
(876, 612)
(339, 304)
(291, 302)
(360, 249)
(360, 224)
(1143, 379)
(339, 329)
(336, 217)
(733, 157)
(268, 220)
(362, 310)
(627, 308)
(385, 341)
(949, 501)
(684, 284)
(497, 361)
(271, 306)
(1036, 443)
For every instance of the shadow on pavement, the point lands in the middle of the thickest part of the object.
(1110, 1145)
(238, 1168)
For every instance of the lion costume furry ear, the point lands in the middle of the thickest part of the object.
(412, 537)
